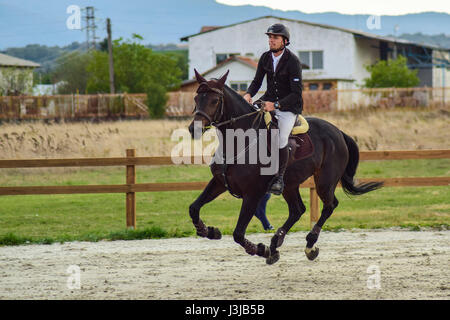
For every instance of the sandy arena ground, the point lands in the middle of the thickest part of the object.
(412, 265)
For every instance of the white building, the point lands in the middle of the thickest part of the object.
(16, 75)
(336, 57)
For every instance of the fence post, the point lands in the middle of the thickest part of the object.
(131, 196)
(314, 206)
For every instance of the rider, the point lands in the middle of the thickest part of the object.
(284, 91)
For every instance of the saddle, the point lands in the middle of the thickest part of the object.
(299, 142)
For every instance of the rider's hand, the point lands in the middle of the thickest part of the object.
(269, 106)
(248, 98)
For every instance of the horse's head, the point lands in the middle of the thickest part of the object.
(209, 103)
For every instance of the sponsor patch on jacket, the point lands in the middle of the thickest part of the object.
(296, 79)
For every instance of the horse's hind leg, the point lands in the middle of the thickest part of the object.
(326, 194)
(212, 191)
(296, 209)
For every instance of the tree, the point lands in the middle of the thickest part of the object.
(391, 73)
(137, 69)
(71, 69)
(15, 81)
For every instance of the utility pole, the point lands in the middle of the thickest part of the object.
(110, 54)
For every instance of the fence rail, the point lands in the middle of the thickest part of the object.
(131, 187)
(180, 103)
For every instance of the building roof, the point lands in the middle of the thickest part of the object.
(208, 28)
(354, 32)
(244, 60)
(10, 61)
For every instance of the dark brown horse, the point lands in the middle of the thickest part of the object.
(335, 159)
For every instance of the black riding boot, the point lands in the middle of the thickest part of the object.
(278, 184)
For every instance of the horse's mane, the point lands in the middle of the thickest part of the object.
(238, 98)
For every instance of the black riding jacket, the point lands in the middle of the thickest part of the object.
(284, 85)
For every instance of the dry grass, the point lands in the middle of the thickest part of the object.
(373, 130)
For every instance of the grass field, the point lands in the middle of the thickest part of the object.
(46, 219)
(52, 218)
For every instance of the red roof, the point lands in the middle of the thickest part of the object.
(208, 28)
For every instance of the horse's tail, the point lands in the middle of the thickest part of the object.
(348, 184)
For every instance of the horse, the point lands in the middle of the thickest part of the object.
(334, 159)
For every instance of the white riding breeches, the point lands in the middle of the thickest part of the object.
(286, 121)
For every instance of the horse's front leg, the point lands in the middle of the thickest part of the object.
(249, 205)
(212, 191)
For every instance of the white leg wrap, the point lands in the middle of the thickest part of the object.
(309, 250)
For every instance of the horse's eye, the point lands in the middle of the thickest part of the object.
(215, 101)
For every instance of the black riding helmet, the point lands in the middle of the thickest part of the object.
(279, 29)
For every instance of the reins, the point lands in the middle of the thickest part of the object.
(213, 122)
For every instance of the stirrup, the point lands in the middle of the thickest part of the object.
(279, 190)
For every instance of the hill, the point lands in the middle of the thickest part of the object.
(24, 22)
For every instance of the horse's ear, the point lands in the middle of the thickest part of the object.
(198, 76)
(224, 78)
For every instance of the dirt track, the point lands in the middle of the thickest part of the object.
(412, 265)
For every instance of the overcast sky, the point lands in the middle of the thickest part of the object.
(375, 7)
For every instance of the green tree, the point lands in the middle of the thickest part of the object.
(391, 73)
(71, 69)
(181, 56)
(137, 69)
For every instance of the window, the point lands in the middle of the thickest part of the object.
(220, 57)
(313, 59)
(304, 58)
(313, 86)
(239, 86)
(317, 59)
(327, 86)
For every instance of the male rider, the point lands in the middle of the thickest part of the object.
(284, 91)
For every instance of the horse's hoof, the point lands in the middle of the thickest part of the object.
(273, 258)
(312, 253)
(214, 233)
(263, 250)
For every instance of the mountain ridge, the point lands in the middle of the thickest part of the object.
(24, 22)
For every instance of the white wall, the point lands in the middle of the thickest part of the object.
(250, 37)
(440, 80)
(365, 52)
(239, 72)
(16, 78)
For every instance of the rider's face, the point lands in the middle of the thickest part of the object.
(276, 42)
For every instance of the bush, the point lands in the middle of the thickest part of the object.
(156, 100)
(391, 74)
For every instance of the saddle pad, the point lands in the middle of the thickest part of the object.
(300, 146)
(300, 126)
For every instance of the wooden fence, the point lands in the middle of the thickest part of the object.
(181, 104)
(74, 107)
(131, 187)
(314, 101)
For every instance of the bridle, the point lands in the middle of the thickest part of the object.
(219, 111)
(214, 121)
